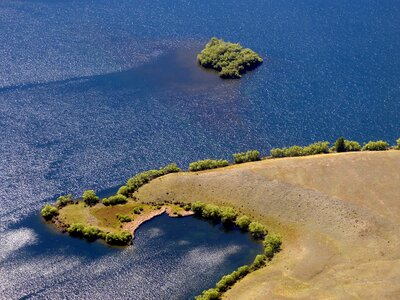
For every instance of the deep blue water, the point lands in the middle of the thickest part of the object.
(92, 92)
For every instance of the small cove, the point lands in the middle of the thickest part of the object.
(169, 256)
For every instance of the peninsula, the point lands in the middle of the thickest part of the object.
(336, 209)
(229, 59)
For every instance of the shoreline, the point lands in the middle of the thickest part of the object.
(138, 221)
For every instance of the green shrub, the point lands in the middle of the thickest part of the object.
(243, 222)
(351, 146)
(114, 200)
(207, 164)
(272, 244)
(258, 262)
(90, 197)
(397, 144)
(134, 183)
(257, 230)
(123, 190)
(242, 157)
(64, 200)
(137, 210)
(122, 238)
(49, 211)
(294, 151)
(171, 168)
(124, 218)
(187, 207)
(228, 215)
(340, 145)
(211, 211)
(376, 146)
(197, 207)
(211, 294)
(316, 148)
(88, 232)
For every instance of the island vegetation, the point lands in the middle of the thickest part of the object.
(231, 60)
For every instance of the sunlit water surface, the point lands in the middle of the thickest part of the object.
(92, 92)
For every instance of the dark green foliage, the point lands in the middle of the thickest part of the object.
(187, 207)
(231, 60)
(228, 280)
(137, 210)
(272, 244)
(211, 294)
(114, 200)
(376, 146)
(258, 262)
(252, 155)
(124, 218)
(228, 215)
(123, 190)
(49, 211)
(207, 164)
(134, 183)
(351, 146)
(197, 207)
(211, 212)
(121, 239)
(88, 232)
(243, 222)
(257, 230)
(293, 151)
(397, 144)
(340, 145)
(90, 197)
(64, 200)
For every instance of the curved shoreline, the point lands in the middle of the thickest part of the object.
(138, 221)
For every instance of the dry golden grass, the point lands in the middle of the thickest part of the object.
(339, 215)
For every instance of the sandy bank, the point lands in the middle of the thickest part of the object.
(139, 220)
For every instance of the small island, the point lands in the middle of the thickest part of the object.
(231, 60)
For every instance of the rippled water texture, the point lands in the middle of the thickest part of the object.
(92, 92)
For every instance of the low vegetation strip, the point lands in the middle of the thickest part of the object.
(229, 59)
(207, 164)
(230, 218)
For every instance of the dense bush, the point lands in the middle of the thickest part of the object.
(228, 215)
(258, 262)
(122, 238)
(293, 151)
(134, 183)
(137, 210)
(114, 200)
(207, 164)
(257, 230)
(211, 211)
(242, 157)
(272, 244)
(351, 146)
(64, 200)
(49, 211)
(339, 145)
(243, 222)
(87, 232)
(231, 60)
(197, 207)
(124, 218)
(211, 294)
(376, 146)
(90, 197)
(397, 144)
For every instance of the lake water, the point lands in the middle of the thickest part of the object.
(92, 92)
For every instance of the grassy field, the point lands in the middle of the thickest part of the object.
(339, 215)
(106, 217)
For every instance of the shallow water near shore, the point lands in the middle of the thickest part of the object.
(93, 92)
(169, 256)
